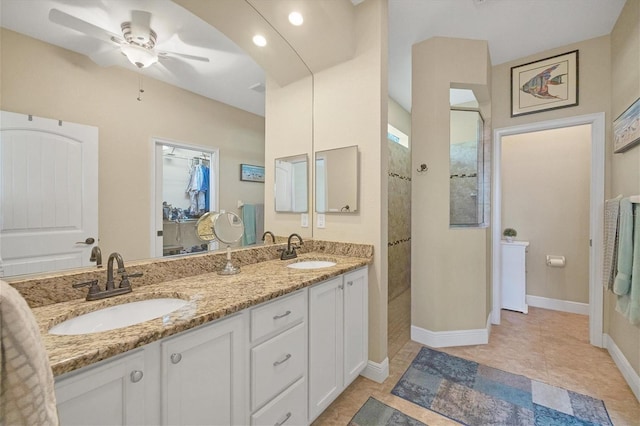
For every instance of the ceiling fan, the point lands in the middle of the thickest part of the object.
(137, 41)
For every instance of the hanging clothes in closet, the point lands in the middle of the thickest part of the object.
(198, 189)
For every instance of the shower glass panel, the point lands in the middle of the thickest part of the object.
(466, 169)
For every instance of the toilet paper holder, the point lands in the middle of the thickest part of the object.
(556, 261)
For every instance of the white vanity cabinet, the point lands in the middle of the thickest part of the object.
(203, 375)
(279, 361)
(338, 337)
(112, 393)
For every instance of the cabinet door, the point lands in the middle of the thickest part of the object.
(203, 382)
(514, 277)
(356, 336)
(325, 344)
(109, 394)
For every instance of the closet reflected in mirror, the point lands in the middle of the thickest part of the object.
(186, 189)
(337, 180)
(291, 184)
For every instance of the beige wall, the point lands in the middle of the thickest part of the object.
(288, 132)
(448, 276)
(399, 118)
(545, 197)
(625, 168)
(44, 80)
(350, 108)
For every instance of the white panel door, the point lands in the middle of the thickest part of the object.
(203, 375)
(110, 394)
(356, 326)
(48, 194)
(325, 345)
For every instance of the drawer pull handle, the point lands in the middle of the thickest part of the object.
(349, 283)
(341, 286)
(280, 423)
(285, 359)
(136, 376)
(176, 358)
(282, 315)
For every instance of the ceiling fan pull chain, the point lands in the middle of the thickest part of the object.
(140, 89)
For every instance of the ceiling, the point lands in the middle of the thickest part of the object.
(513, 29)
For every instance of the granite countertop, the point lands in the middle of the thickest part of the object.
(211, 297)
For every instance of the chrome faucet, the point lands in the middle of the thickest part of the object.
(96, 256)
(273, 238)
(110, 289)
(290, 252)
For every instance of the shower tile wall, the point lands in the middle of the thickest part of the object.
(399, 219)
(464, 183)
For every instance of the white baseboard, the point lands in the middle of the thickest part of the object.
(443, 339)
(558, 305)
(629, 374)
(378, 372)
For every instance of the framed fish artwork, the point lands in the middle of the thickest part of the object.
(626, 129)
(545, 85)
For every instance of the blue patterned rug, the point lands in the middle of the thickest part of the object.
(375, 413)
(475, 394)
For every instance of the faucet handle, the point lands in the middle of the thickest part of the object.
(124, 283)
(93, 286)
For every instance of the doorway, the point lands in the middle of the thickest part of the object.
(186, 187)
(596, 206)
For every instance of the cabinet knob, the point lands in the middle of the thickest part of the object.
(281, 422)
(349, 283)
(176, 358)
(341, 286)
(136, 376)
(286, 358)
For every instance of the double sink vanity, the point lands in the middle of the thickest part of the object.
(274, 344)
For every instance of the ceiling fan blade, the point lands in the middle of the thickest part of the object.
(107, 58)
(164, 54)
(61, 18)
(140, 26)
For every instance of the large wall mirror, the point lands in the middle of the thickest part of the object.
(291, 175)
(337, 180)
(131, 107)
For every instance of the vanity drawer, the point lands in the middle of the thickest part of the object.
(288, 408)
(278, 315)
(277, 363)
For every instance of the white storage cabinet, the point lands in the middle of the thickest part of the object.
(514, 275)
(338, 337)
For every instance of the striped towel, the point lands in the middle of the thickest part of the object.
(26, 382)
(611, 221)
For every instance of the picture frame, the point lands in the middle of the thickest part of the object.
(545, 85)
(626, 129)
(251, 173)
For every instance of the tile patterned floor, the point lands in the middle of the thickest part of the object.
(549, 346)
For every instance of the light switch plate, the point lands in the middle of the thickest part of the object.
(320, 220)
(304, 220)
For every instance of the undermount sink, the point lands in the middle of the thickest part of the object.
(118, 316)
(311, 264)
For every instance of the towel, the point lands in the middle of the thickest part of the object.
(611, 218)
(622, 283)
(27, 394)
(259, 219)
(249, 219)
(629, 303)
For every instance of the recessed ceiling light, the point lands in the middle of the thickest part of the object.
(296, 18)
(259, 40)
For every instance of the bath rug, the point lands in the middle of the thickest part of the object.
(475, 394)
(375, 413)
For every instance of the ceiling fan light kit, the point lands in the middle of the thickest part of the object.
(139, 56)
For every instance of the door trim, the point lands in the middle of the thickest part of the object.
(156, 181)
(596, 209)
